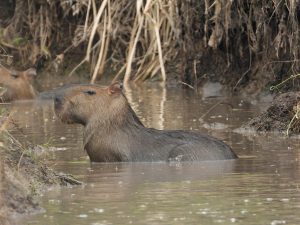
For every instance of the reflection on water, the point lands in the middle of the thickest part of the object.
(262, 187)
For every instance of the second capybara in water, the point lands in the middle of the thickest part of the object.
(17, 85)
(113, 132)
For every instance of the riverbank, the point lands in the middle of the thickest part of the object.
(246, 46)
(281, 116)
(23, 177)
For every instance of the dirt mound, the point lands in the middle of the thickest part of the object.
(22, 178)
(280, 116)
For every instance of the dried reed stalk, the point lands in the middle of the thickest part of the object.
(138, 38)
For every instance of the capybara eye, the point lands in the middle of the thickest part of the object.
(14, 75)
(89, 92)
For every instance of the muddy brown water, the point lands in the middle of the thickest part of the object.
(262, 187)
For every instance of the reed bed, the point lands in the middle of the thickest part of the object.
(142, 39)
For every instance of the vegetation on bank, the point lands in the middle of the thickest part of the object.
(240, 43)
(23, 175)
(282, 115)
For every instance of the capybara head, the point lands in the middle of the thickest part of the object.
(85, 103)
(17, 84)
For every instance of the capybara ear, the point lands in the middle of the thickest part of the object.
(116, 87)
(31, 72)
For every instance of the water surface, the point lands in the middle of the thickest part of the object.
(262, 187)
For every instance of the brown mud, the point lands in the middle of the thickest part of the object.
(23, 176)
(281, 116)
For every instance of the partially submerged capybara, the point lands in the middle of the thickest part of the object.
(113, 132)
(17, 84)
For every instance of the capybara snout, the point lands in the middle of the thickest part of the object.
(17, 84)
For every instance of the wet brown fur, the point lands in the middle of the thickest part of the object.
(113, 132)
(17, 85)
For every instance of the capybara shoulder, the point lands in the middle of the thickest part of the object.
(113, 132)
(17, 85)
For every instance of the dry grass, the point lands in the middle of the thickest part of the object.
(139, 38)
(147, 24)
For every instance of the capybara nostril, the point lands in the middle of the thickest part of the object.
(57, 100)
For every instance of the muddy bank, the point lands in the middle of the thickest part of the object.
(246, 45)
(23, 176)
(281, 116)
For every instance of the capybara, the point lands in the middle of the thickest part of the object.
(113, 132)
(17, 85)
